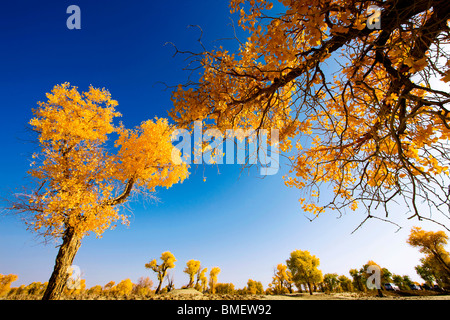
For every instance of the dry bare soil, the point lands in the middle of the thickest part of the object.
(191, 294)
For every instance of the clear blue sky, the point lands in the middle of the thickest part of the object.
(237, 221)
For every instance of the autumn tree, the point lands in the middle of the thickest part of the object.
(282, 280)
(109, 286)
(431, 271)
(17, 291)
(95, 290)
(254, 287)
(345, 283)
(36, 288)
(143, 286)
(331, 282)
(192, 268)
(123, 288)
(403, 282)
(5, 283)
(79, 183)
(384, 274)
(435, 266)
(74, 288)
(168, 262)
(359, 279)
(304, 268)
(224, 288)
(353, 88)
(202, 280)
(431, 244)
(213, 278)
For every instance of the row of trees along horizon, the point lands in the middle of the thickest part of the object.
(375, 131)
(300, 273)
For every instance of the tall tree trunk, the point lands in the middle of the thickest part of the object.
(66, 254)
(162, 276)
(159, 286)
(191, 283)
(310, 288)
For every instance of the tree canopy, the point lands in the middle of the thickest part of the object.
(168, 262)
(375, 131)
(304, 269)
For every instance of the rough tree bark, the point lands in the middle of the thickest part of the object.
(66, 254)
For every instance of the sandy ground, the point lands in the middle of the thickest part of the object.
(191, 294)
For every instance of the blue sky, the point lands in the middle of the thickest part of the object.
(234, 220)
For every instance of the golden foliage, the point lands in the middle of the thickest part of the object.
(427, 241)
(213, 278)
(192, 268)
(376, 131)
(123, 288)
(168, 262)
(432, 243)
(5, 283)
(202, 280)
(304, 268)
(80, 183)
(254, 287)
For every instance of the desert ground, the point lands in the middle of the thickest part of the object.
(191, 294)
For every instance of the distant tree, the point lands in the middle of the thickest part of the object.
(407, 281)
(79, 286)
(345, 283)
(224, 288)
(143, 286)
(361, 276)
(108, 286)
(12, 292)
(197, 280)
(385, 275)
(202, 280)
(398, 281)
(78, 184)
(5, 283)
(168, 262)
(403, 282)
(192, 268)
(359, 279)
(20, 290)
(331, 282)
(281, 280)
(95, 290)
(254, 287)
(213, 278)
(36, 288)
(304, 268)
(123, 288)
